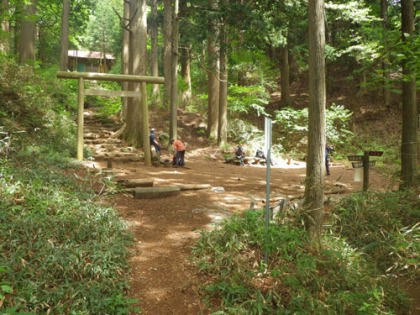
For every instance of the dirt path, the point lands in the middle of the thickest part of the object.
(162, 278)
(165, 229)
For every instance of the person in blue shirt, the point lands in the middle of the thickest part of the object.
(240, 154)
(154, 142)
(328, 149)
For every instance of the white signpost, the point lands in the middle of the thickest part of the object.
(362, 161)
(267, 132)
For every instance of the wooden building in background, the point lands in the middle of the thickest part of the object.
(90, 61)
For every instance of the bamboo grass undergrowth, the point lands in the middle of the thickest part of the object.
(61, 251)
(338, 280)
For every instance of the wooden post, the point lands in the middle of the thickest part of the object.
(109, 77)
(81, 109)
(366, 170)
(145, 131)
(173, 108)
(81, 76)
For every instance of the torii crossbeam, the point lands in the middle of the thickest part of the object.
(143, 80)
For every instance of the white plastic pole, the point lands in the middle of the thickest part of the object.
(267, 131)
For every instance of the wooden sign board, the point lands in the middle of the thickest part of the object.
(376, 153)
(360, 164)
(355, 157)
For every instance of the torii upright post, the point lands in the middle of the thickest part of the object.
(145, 131)
(81, 102)
(82, 76)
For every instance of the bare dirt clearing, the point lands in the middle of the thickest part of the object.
(165, 229)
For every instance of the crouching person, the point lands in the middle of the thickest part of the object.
(179, 151)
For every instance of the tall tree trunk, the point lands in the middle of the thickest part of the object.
(385, 63)
(212, 76)
(174, 88)
(315, 169)
(4, 42)
(223, 91)
(293, 67)
(125, 59)
(28, 34)
(138, 55)
(17, 25)
(285, 79)
(185, 58)
(154, 53)
(42, 46)
(409, 127)
(185, 61)
(241, 73)
(362, 90)
(167, 49)
(64, 41)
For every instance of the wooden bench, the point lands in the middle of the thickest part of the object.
(247, 160)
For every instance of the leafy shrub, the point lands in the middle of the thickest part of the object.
(110, 106)
(246, 98)
(63, 92)
(107, 106)
(26, 101)
(292, 126)
(33, 101)
(296, 281)
(241, 131)
(386, 226)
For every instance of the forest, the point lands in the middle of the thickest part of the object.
(82, 83)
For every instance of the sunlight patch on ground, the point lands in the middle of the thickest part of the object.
(205, 150)
(154, 249)
(216, 218)
(169, 172)
(156, 294)
(216, 215)
(91, 164)
(281, 163)
(234, 198)
(133, 223)
(167, 181)
(179, 236)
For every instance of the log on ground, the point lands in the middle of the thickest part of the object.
(155, 192)
(138, 182)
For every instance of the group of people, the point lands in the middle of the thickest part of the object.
(177, 145)
(179, 152)
(240, 154)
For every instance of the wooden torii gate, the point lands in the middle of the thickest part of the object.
(143, 80)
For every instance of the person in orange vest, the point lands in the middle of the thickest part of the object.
(179, 150)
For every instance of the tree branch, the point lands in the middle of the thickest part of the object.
(124, 25)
